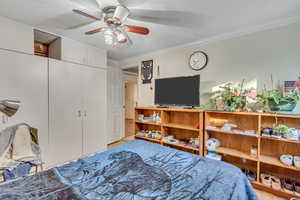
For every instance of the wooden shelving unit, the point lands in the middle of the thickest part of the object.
(234, 153)
(237, 146)
(149, 123)
(230, 133)
(148, 139)
(180, 146)
(182, 124)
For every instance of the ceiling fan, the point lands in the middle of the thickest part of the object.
(115, 32)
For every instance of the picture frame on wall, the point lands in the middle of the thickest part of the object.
(147, 71)
(291, 85)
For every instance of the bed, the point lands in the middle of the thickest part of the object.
(137, 170)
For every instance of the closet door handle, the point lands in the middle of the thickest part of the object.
(79, 113)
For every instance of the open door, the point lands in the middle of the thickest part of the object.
(130, 99)
(115, 99)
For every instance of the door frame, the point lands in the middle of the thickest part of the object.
(124, 95)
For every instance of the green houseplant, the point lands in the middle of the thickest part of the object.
(232, 98)
(277, 101)
(281, 130)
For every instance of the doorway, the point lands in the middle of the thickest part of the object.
(130, 98)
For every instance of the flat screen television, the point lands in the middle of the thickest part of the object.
(182, 91)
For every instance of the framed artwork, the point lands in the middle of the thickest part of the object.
(147, 71)
(291, 85)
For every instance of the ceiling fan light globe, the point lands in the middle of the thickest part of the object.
(121, 37)
(110, 37)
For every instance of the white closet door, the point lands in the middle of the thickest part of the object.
(24, 78)
(65, 108)
(95, 111)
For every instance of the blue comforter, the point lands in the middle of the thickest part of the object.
(137, 170)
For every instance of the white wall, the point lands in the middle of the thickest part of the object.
(254, 56)
(15, 36)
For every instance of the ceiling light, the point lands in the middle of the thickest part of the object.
(121, 37)
(109, 37)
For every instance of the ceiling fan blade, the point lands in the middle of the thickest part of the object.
(86, 15)
(137, 29)
(167, 17)
(94, 31)
(87, 4)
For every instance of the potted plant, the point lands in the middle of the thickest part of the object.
(232, 98)
(281, 130)
(277, 101)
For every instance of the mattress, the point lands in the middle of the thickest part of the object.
(137, 170)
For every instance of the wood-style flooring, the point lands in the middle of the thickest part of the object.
(129, 127)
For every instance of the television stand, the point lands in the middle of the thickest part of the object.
(162, 106)
(189, 107)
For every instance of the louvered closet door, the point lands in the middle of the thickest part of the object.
(65, 109)
(95, 111)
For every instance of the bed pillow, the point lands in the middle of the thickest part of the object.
(22, 143)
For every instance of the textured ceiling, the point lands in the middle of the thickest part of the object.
(172, 22)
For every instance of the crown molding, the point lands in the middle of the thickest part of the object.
(225, 36)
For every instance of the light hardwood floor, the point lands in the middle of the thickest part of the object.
(129, 127)
(261, 194)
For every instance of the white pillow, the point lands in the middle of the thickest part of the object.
(21, 146)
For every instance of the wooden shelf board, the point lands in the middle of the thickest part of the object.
(280, 139)
(178, 145)
(180, 126)
(235, 153)
(232, 113)
(280, 193)
(182, 110)
(169, 109)
(281, 115)
(149, 108)
(149, 123)
(244, 166)
(231, 133)
(148, 139)
(276, 162)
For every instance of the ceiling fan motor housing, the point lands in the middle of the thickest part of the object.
(116, 15)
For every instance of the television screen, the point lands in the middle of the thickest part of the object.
(178, 91)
